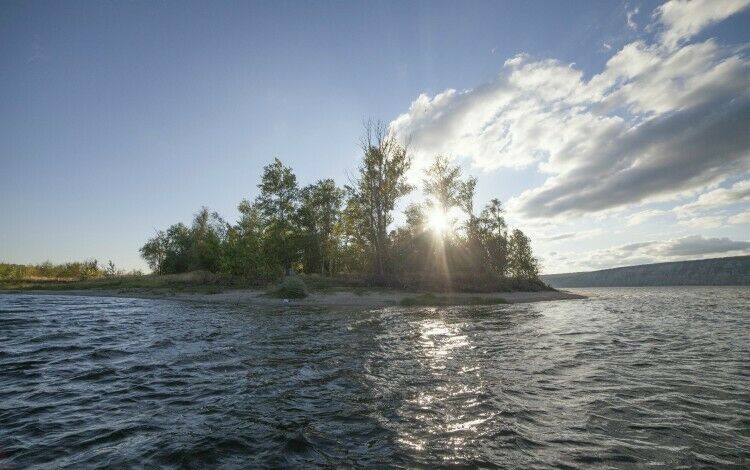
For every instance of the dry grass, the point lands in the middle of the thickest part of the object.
(197, 281)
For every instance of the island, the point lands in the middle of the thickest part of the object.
(324, 244)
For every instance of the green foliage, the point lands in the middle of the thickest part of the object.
(354, 254)
(208, 232)
(292, 287)
(278, 203)
(88, 269)
(522, 264)
(446, 189)
(196, 281)
(243, 253)
(381, 182)
(182, 249)
(319, 213)
(110, 270)
(479, 256)
(335, 232)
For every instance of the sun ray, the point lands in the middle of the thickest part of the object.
(438, 221)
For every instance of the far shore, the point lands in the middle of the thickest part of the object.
(339, 298)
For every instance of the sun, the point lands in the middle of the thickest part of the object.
(438, 221)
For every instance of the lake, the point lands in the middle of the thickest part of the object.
(627, 377)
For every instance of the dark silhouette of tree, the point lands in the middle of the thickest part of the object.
(329, 230)
(380, 183)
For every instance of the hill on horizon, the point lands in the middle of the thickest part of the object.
(729, 271)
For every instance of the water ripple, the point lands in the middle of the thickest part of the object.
(628, 377)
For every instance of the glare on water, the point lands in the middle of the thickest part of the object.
(627, 377)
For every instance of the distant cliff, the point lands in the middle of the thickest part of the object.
(733, 271)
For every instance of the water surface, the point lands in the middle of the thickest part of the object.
(628, 377)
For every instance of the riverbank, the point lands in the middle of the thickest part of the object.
(339, 298)
(321, 291)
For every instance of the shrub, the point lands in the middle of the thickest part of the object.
(292, 287)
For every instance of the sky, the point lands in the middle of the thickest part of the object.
(616, 133)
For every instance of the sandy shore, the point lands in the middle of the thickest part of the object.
(328, 299)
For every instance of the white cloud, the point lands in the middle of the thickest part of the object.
(676, 249)
(721, 197)
(578, 235)
(631, 22)
(696, 245)
(739, 219)
(644, 216)
(709, 221)
(682, 19)
(709, 210)
(656, 124)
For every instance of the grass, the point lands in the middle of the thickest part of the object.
(339, 283)
(206, 283)
(198, 282)
(432, 300)
(193, 282)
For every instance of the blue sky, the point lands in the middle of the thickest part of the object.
(118, 118)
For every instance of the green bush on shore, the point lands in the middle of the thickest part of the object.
(292, 287)
(79, 271)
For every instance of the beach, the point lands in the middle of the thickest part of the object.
(339, 298)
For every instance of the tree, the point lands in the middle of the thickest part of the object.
(466, 203)
(89, 269)
(492, 234)
(179, 240)
(278, 192)
(110, 270)
(521, 261)
(353, 246)
(320, 211)
(380, 183)
(446, 189)
(277, 202)
(169, 251)
(207, 236)
(327, 229)
(442, 183)
(415, 218)
(243, 251)
(411, 242)
(154, 251)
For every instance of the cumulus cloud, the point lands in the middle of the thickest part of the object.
(737, 193)
(709, 221)
(683, 19)
(677, 249)
(709, 210)
(741, 218)
(696, 245)
(657, 123)
(716, 221)
(644, 216)
(632, 247)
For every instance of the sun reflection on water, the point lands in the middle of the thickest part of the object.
(449, 408)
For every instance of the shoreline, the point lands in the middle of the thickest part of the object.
(251, 297)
